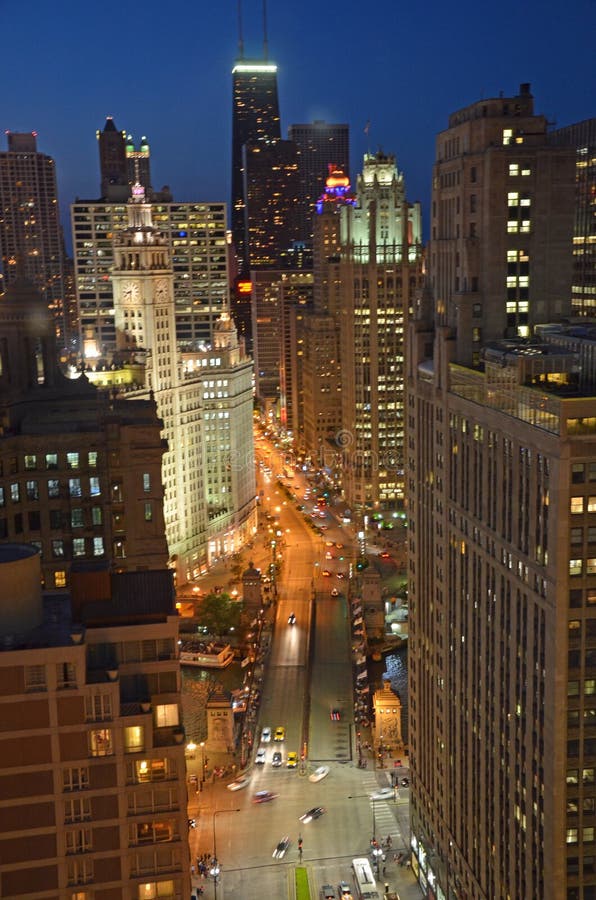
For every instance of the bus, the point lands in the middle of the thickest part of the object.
(366, 887)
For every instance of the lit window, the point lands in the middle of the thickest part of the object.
(526, 172)
(94, 487)
(513, 198)
(30, 461)
(166, 714)
(98, 547)
(74, 487)
(513, 169)
(155, 890)
(148, 512)
(576, 505)
(53, 488)
(51, 460)
(575, 566)
(78, 547)
(72, 460)
(151, 769)
(134, 739)
(15, 492)
(60, 578)
(77, 518)
(571, 837)
(146, 482)
(32, 490)
(588, 834)
(591, 504)
(92, 459)
(96, 515)
(507, 136)
(100, 742)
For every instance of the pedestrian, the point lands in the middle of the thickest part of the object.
(384, 870)
(389, 841)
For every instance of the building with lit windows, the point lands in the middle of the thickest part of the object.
(255, 119)
(121, 162)
(582, 136)
(92, 770)
(381, 269)
(204, 398)
(80, 472)
(501, 468)
(197, 246)
(31, 241)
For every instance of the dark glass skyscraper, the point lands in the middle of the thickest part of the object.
(255, 117)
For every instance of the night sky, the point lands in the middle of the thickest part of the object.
(164, 70)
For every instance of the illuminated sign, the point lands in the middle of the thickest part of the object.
(244, 287)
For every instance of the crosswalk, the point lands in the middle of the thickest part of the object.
(384, 814)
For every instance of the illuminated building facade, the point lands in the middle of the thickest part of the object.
(31, 242)
(321, 144)
(321, 369)
(582, 136)
(381, 269)
(80, 472)
(502, 584)
(92, 770)
(499, 222)
(196, 240)
(208, 467)
(255, 118)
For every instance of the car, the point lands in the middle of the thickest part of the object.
(341, 574)
(334, 592)
(276, 759)
(326, 573)
(281, 848)
(335, 715)
(405, 782)
(260, 758)
(327, 892)
(344, 890)
(291, 619)
(266, 734)
(263, 797)
(339, 546)
(315, 813)
(292, 760)
(238, 784)
(386, 793)
(329, 544)
(318, 774)
(280, 734)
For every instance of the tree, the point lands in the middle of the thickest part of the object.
(218, 613)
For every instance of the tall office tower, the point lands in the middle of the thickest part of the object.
(30, 234)
(380, 272)
(196, 240)
(321, 145)
(138, 161)
(273, 203)
(296, 291)
(501, 469)
(92, 771)
(80, 473)
(320, 332)
(113, 164)
(491, 270)
(199, 529)
(582, 136)
(255, 119)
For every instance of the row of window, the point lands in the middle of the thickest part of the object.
(69, 460)
(31, 489)
(139, 771)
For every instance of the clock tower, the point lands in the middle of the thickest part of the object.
(142, 281)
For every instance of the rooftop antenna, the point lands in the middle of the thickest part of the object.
(240, 39)
(265, 44)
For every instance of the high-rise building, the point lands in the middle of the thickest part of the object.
(80, 472)
(196, 241)
(381, 268)
(92, 770)
(122, 163)
(255, 119)
(321, 144)
(31, 242)
(501, 470)
(582, 136)
(204, 398)
(273, 203)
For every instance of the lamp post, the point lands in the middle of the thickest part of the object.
(202, 778)
(214, 870)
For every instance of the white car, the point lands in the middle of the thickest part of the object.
(319, 774)
(386, 793)
(266, 735)
(280, 850)
(260, 757)
(238, 784)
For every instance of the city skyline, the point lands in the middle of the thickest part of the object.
(399, 74)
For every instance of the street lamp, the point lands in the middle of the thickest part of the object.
(202, 778)
(214, 870)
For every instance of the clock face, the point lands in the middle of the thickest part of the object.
(131, 292)
(161, 289)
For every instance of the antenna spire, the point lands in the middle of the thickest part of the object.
(240, 38)
(265, 44)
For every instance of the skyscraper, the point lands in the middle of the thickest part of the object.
(381, 268)
(31, 243)
(121, 163)
(321, 145)
(582, 136)
(501, 465)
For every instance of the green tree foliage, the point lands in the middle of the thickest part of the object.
(218, 613)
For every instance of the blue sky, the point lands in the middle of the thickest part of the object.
(164, 70)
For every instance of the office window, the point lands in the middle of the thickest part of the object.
(35, 678)
(2, 497)
(591, 566)
(166, 714)
(100, 742)
(577, 536)
(575, 566)
(94, 486)
(576, 505)
(513, 169)
(74, 487)
(51, 460)
(15, 492)
(59, 578)
(92, 459)
(148, 512)
(78, 547)
(134, 739)
(156, 890)
(58, 548)
(152, 770)
(98, 546)
(72, 460)
(77, 518)
(53, 488)
(146, 482)
(75, 778)
(588, 834)
(96, 515)
(30, 461)
(578, 473)
(150, 832)
(571, 836)
(591, 504)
